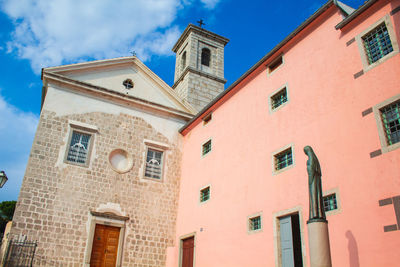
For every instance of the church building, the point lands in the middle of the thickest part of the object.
(126, 170)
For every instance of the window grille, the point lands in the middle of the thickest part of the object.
(377, 43)
(330, 202)
(205, 56)
(283, 159)
(153, 164)
(391, 122)
(205, 194)
(279, 98)
(128, 84)
(79, 148)
(207, 147)
(255, 223)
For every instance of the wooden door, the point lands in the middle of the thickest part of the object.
(187, 252)
(105, 246)
(286, 239)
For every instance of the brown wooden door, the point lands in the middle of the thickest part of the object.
(105, 246)
(187, 252)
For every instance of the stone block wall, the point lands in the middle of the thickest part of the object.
(56, 198)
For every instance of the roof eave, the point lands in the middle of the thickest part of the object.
(355, 14)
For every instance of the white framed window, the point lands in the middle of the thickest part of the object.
(283, 159)
(331, 202)
(254, 223)
(387, 116)
(275, 64)
(205, 194)
(154, 160)
(377, 43)
(207, 119)
(80, 143)
(206, 148)
(154, 163)
(278, 99)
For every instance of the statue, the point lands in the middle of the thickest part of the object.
(315, 186)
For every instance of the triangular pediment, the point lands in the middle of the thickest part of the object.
(111, 74)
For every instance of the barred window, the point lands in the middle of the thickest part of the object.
(377, 43)
(154, 164)
(206, 147)
(279, 98)
(205, 194)
(330, 202)
(391, 122)
(255, 223)
(283, 159)
(78, 151)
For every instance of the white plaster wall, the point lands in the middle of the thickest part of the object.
(64, 102)
(112, 79)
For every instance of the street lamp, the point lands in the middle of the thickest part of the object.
(3, 178)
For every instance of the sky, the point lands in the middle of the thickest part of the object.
(42, 33)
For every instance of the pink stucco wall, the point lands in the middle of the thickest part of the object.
(324, 111)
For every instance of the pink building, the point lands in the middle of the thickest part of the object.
(333, 84)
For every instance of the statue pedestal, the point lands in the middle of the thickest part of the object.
(318, 239)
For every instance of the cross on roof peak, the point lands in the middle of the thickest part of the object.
(201, 23)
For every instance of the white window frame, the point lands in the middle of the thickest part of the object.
(389, 26)
(202, 146)
(269, 71)
(273, 159)
(209, 194)
(385, 147)
(83, 128)
(272, 110)
(248, 224)
(153, 145)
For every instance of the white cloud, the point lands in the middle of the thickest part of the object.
(17, 130)
(54, 32)
(50, 33)
(210, 4)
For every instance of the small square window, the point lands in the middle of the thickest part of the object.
(207, 118)
(377, 43)
(206, 147)
(330, 202)
(255, 223)
(279, 98)
(79, 148)
(154, 164)
(205, 194)
(283, 159)
(390, 115)
(275, 64)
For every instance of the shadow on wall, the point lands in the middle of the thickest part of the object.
(354, 261)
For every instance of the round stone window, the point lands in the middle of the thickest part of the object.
(120, 160)
(128, 84)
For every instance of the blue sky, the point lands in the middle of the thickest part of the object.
(42, 33)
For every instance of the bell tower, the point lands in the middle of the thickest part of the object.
(199, 67)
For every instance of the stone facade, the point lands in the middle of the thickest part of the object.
(195, 82)
(55, 201)
(61, 203)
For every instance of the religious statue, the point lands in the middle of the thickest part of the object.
(314, 185)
